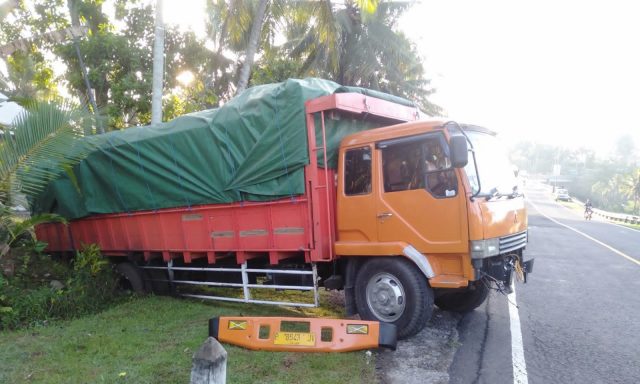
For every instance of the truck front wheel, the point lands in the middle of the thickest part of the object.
(464, 301)
(392, 290)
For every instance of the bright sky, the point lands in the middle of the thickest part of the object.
(559, 72)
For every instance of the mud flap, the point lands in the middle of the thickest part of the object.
(527, 268)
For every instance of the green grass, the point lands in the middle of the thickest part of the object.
(152, 339)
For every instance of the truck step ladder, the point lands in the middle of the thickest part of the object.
(297, 334)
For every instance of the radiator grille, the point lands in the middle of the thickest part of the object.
(513, 242)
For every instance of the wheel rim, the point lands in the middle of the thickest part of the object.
(385, 297)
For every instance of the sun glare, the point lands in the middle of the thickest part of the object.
(185, 78)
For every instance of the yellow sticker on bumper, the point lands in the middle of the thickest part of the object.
(357, 329)
(238, 325)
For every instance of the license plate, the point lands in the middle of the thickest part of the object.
(295, 338)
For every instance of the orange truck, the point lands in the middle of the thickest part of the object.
(414, 213)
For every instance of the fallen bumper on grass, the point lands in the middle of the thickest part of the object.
(296, 334)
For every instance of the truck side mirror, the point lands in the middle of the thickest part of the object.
(459, 151)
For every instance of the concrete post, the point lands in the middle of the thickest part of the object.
(209, 363)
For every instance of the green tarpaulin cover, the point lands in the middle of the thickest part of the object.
(254, 148)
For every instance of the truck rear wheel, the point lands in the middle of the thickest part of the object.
(130, 277)
(158, 282)
(464, 301)
(392, 290)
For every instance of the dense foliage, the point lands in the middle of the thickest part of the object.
(29, 298)
(351, 42)
(39, 146)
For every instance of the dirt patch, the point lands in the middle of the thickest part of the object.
(289, 360)
(424, 358)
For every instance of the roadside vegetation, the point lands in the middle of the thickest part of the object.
(35, 290)
(152, 339)
(611, 182)
(353, 42)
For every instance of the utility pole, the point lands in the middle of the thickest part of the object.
(158, 67)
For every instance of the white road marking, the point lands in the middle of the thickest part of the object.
(517, 349)
(587, 236)
(622, 226)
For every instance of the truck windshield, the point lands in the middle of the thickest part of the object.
(495, 172)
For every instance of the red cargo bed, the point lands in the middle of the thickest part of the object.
(280, 229)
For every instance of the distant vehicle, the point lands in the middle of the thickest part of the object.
(562, 195)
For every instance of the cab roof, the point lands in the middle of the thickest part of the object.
(404, 129)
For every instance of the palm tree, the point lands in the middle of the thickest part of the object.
(40, 145)
(249, 27)
(15, 232)
(243, 27)
(631, 188)
(353, 47)
(256, 31)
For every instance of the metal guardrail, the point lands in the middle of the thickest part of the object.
(620, 217)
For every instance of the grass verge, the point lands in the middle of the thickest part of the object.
(152, 339)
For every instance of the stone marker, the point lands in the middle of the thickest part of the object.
(209, 363)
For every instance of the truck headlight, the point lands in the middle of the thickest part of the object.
(481, 249)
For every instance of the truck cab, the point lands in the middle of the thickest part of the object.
(427, 212)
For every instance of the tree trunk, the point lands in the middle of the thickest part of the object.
(75, 21)
(254, 39)
(73, 12)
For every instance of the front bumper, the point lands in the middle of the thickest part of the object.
(502, 267)
(499, 258)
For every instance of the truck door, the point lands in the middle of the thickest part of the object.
(357, 213)
(420, 199)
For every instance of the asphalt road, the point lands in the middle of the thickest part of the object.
(579, 312)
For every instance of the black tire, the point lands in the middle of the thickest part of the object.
(130, 277)
(382, 279)
(464, 301)
(158, 282)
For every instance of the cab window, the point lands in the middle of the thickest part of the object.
(421, 162)
(357, 171)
